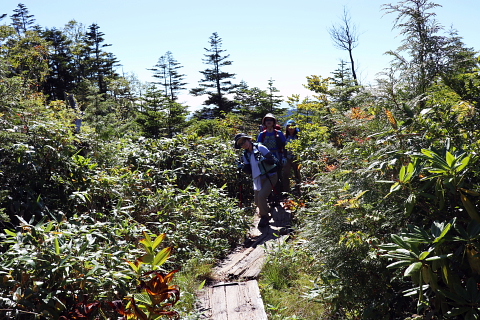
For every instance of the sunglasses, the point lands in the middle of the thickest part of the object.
(243, 143)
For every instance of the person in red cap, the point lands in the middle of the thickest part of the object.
(262, 165)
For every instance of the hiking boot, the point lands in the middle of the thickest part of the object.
(263, 222)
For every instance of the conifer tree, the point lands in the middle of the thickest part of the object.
(98, 64)
(216, 83)
(22, 20)
(256, 102)
(160, 115)
(422, 45)
(61, 78)
(166, 70)
(274, 100)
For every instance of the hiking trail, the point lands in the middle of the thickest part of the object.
(234, 293)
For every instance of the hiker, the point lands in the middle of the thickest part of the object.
(274, 140)
(291, 133)
(261, 163)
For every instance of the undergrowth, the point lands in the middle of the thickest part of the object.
(287, 275)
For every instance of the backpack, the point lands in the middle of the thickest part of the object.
(279, 142)
(265, 167)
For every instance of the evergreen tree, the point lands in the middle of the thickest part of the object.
(98, 64)
(161, 116)
(256, 102)
(216, 82)
(461, 69)
(166, 70)
(422, 44)
(22, 21)
(61, 79)
(251, 100)
(344, 87)
(274, 100)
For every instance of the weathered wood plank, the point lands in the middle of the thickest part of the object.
(241, 301)
(218, 303)
(233, 261)
(247, 262)
(254, 269)
(252, 292)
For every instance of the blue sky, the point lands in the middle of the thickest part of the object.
(267, 39)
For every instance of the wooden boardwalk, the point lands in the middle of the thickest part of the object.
(235, 295)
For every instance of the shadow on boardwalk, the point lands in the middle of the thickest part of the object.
(235, 295)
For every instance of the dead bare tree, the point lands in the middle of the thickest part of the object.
(345, 37)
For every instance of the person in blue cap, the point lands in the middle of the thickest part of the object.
(291, 133)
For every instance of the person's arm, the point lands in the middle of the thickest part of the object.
(260, 137)
(247, 167)
(283, 140)
(269, 157)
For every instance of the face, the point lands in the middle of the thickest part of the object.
(245, 144)
(269, 122)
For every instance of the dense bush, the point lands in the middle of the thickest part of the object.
(83, 204)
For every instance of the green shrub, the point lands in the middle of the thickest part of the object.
(48, 267)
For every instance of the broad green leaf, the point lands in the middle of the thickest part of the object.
(398, 264)
(412, 269)
(444, 232)
(472, 289)
(463, 164)
(57, 246)
(410, 170)
(143, 298)
(158, 240)
(134, 266)
(147, 243)
(147, 258)
(470, 192)
(400, 241)
(10, 233)
(401, 175)
(162, 256)
(461, 291)
(442, 256)
(202, 285)
(395, 187)
(405, 257)
(450, 159)
(423, 255)
(436, 160)
(438, 171)
(457, 311)
(49, 227)
(451, 295)
(470, 207)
